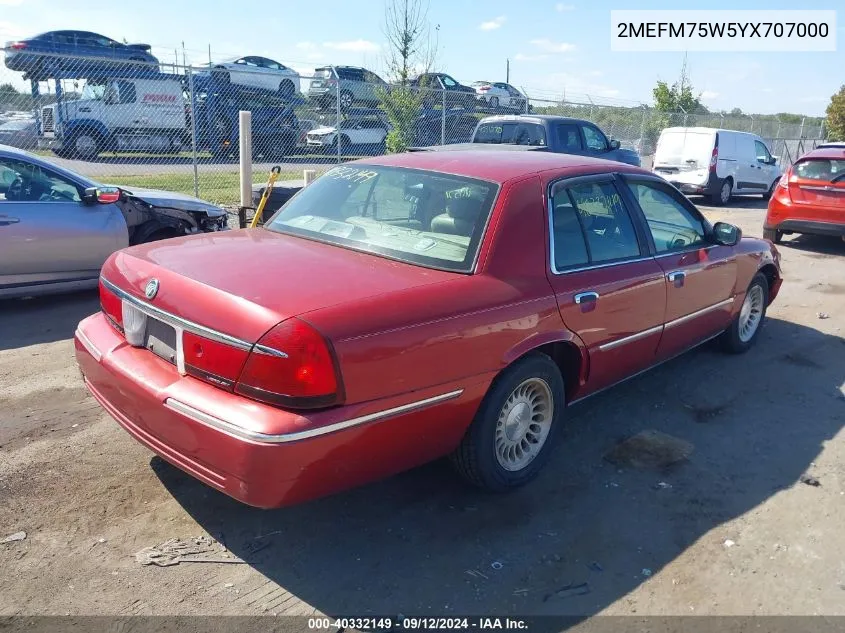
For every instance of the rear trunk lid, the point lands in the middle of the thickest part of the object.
(242, 283)
(819, 182)
(681, 151)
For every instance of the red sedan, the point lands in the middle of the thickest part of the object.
(810, 197)
(408, 307)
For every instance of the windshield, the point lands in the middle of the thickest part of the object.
(823, 169)
(323, 73)
(94, 91)
(419, 217)
(684, 148)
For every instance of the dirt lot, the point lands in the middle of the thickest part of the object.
(732, 530)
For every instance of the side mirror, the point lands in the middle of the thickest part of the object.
(100, 195)
(726, 234)
(614, 144)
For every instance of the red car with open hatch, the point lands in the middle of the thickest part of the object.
(408, 307)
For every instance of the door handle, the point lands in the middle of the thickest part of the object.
(586, 297)
(7, 219)
(676, 277)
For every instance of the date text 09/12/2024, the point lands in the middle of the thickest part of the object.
(402, 623)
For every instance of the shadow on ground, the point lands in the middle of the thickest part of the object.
(423, 543)
(44, 319)
(817, 246)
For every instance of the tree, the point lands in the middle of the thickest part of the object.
(410, 51)
(678, 97)
(836, 116)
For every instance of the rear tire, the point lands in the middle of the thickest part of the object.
(286, 89)
(723, 196)
(84, 145)
(745, 328)
(512, 434)
(773, 235)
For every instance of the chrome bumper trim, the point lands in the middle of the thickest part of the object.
(263, 438)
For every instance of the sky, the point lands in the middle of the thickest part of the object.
(556, 49)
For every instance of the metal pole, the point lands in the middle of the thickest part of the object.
(752, 124)
(245, 141)
(337, 126)
(308, 176)
(821, 130)
(642, 131)
(801, 133)
(443, 117)
(194, 159)
(507, 71)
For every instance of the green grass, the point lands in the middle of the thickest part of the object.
(219, 187)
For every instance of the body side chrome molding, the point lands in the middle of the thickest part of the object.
(264, 438)
(698, 313)
(630, 339)
(175, 321)
(87, 344)
(647, 369)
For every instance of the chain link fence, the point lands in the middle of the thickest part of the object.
(131, 123)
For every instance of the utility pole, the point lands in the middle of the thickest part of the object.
(507, 71)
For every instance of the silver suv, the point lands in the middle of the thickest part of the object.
(350, 84)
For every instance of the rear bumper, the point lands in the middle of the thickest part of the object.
(260, 455)
(785, 215)
(809, 227)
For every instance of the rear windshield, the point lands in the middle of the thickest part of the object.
(323, 73)
(420, 217)
(825, 169)
(680, 147)
(511, 132)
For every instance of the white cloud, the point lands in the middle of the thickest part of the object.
(522, 57)
(576, 86)
(562, 8)
(305, 46)
(492, 25)
(553, 47)
(354, 46)
(709, 95)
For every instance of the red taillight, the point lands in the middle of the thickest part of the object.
(714, 159)
(112, 306)
(17, 46)
(783, 183)
(292, 365)
(212, 361)
(484, 88)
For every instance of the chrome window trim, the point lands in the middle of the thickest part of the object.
(175, 321)
(630, 339)
(604, 176)
(264, 438)
(698, 313)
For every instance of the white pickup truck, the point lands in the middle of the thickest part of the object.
(118, 115)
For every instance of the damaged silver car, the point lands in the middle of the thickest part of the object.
(58, 227)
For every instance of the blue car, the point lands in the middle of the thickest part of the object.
(73, 52)
(559, 134)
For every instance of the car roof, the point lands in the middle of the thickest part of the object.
(496, 166)
(533, 118)
(832, 153)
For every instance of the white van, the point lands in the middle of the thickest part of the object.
(716, 163)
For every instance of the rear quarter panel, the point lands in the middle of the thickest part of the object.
(467, 328)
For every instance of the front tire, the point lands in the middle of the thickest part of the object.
(773, 235)
(346, 100)
(510, 438)
(745, 328)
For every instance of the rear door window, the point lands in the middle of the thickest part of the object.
(594, 208)
(568, 137)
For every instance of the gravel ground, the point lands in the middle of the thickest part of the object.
(730, 530)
